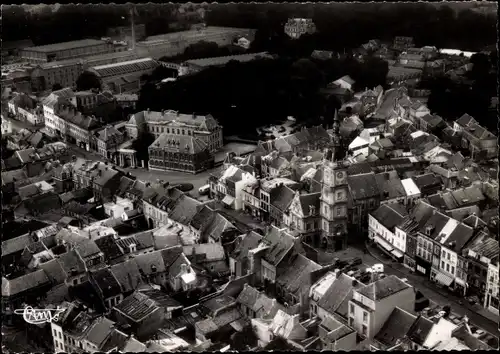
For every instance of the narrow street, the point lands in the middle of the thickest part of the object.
(477, 314)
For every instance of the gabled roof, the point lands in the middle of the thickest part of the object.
(395, 327)
(465, 120)
(420, 330)
(338, 293)
(390, 215)
(150, 263)
(24, 283)
(127, 274)
(363, 186)
(280, 242)
(16, 244)
(99, 331)
(248, 241)
(296, 278)
(106, 282)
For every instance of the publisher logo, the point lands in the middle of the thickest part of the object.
(39, 316)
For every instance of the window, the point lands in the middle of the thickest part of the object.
(452, 270)
(442, 264)
(447, 267)
(352, 309)
(60, 336)
(448, 256)
(443, 254)
(364, 330)
(365, 317)
(351, 321)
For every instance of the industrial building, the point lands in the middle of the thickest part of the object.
(66, 50)
(172, 44)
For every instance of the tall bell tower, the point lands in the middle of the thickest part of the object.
(334, 194)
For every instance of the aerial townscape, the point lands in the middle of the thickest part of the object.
(249, 177)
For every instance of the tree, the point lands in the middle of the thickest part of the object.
(56, 87)
(141, 145)
(87, 81)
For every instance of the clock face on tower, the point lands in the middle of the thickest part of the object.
(340, 176)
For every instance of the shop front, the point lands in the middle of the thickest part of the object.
(441, 278)
(409, 263)
(422, 266)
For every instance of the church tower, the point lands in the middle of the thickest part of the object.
(334, 194)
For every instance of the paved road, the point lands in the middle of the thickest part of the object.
(429, 290)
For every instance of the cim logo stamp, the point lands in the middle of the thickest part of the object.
(39, 316)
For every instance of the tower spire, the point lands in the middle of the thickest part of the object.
(337, 149)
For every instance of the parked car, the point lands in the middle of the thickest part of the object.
(203, 190)
(356, 261)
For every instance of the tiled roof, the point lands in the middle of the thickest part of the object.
(179, 143)
(126, 67)
(109, 247)
(280, 242)
(24, 283)
(108, 134)
(70, 261)
(465, 120)
(383, 288)
(87, 249)
(390, 185)
(107, 283)
(395, 327)
(363, 186)
(116, 340)
(54, 271)
(151, 263)
(210, 251)
(338, 292)
(249, 241)
(128, 275)
(137, 306)
(296, 278)
(99, 331)
(16, 244)
(390, 215)
(184, 209)
(420, 329)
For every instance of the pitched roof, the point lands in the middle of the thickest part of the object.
(137, 306)
(390, 185)
(390, 215)
(248, 241)
(23, 283)
(106, 283)
(338, 292)
(108, 246)
(16, 244)
(100, 330)
(54, 271)
(383, 288)
(184, 210)
(127, 274)
(363, 186)
(280, 242)
(420, 329)
(150, 263)
(125, 67)
(296, 278)
(395, 327)
(210, 251)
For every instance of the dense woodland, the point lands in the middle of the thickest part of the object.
(243, 96)
(466, 26)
